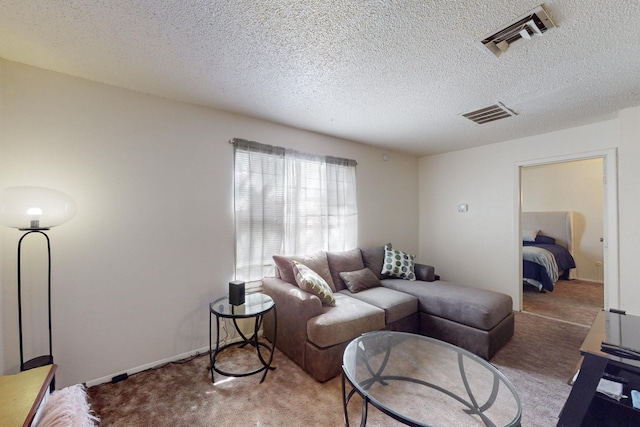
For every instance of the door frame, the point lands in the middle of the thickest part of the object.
(611, 255)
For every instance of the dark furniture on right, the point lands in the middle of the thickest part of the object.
(586, 407)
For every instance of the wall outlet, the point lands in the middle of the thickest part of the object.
(119, 378)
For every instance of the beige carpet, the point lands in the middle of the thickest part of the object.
(538, 361)
(574, 301)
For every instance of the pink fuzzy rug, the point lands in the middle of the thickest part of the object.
(68, 407)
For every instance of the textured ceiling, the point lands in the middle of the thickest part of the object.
(394, 74)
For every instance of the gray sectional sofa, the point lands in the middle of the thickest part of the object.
(314, 335)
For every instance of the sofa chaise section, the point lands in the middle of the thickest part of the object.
(475, 319)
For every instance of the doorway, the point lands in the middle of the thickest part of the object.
(573, 186)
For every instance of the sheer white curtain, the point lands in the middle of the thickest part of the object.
(320, 204)
(290, 203)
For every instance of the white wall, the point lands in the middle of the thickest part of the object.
(629, 178)
(152, 242)
(571, 186)
(480, 247)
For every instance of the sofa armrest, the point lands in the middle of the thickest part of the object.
(425, 272)
(294, 307)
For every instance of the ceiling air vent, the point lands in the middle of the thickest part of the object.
(533, 23)
(489, 113)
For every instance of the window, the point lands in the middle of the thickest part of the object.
(287, 202)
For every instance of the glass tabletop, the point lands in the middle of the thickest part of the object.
(614, 330)
(254, 304)
(424, 381)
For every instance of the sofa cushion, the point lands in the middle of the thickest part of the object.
(317, 262)
(396, 305)
(343, 261)
(349, 319)
(373, 258)
(311, 282)
(470, 306)
(398, 263)
(360, 280)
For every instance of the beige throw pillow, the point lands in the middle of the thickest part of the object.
(310, 281)
(317, 262)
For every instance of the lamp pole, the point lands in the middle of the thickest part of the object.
(46, 359)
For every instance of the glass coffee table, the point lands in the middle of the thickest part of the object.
(422, 381)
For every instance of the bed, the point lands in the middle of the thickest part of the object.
(547, 248)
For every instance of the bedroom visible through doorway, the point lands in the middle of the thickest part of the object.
(577, 187)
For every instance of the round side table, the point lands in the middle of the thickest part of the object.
(256, 306)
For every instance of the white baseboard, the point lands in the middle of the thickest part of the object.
(203, 350)
(146, 366)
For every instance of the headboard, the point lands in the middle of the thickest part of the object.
(558, 225)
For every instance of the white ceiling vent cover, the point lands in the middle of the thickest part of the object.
(489, 113)
(534, 23)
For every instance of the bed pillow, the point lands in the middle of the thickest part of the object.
(398, 264)
(529, 235)
(310, 281)
(546, 240)
(360, 280)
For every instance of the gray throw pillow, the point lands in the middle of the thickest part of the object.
(343, 261)
(360, 280)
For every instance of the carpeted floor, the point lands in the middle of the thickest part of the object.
(576, 301)
(538, 360)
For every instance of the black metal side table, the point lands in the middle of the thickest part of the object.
(255, 306)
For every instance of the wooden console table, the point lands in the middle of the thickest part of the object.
(586, 407)
(22, 395)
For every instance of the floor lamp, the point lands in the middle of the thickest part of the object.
(35, 210)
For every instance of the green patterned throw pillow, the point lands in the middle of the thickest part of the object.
(310, 281)
(398, 264)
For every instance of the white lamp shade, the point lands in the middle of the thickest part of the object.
(33, 208)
